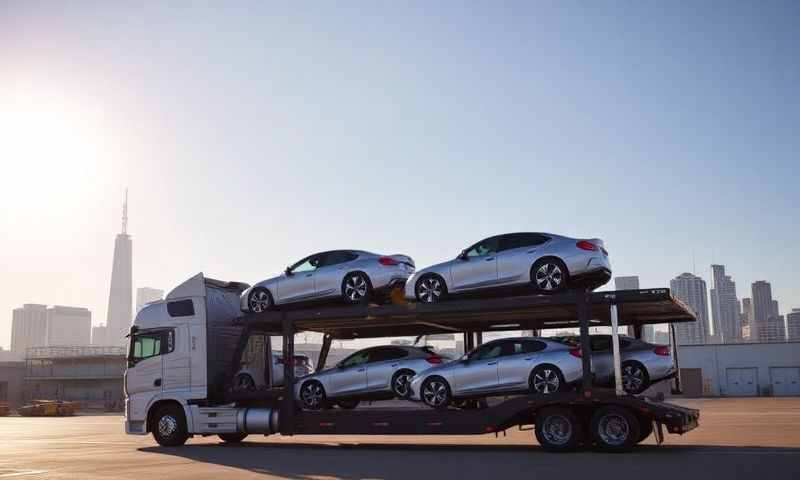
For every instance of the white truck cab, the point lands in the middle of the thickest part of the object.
(181, 361)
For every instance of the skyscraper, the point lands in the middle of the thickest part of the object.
(793, 325)
(28, 328)
(68, 326)
(747, 319)
(724, 306)
(99, 337)
(119, 299)
(767, 326)
(691, 290)
(626, 283)
(145, 295)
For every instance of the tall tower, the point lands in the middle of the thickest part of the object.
(724, 307)
(120, 297)
(691, 289)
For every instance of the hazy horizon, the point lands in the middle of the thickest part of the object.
(251, 135)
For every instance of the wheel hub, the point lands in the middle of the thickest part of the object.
(557, 429)
(435, 393)
(549, 276)
(312, 395)
(355, 288)
(167, 425)
(613, 429)
(546, 381)
(430, 290)
(401, 384)
(259, 301)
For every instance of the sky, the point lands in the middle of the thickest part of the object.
(250, 134)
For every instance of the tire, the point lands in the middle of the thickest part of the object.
(400, 381)
(356, 288)
(244, 383)
(312, 396)
(232, 437)
(259, 300)
(169, 426)
(347, 404)
(430, 288)
(549, 275)
(435, 393)
(635, 378)
(615, 429)
(546, 379)
(558, 429)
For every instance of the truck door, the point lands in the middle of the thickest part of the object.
(145, 369)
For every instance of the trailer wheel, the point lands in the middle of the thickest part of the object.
(615, 429)
(435, 392)
(232, 437)
(558, 429)
(312, 395)
(169, 426)
(356, 288)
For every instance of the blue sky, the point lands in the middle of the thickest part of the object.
(251, 134)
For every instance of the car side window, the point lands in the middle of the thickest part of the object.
(307, 264)
(356, 359)
(385, 354)
(489, 351)
(335, 258)
(531, 346)
(484, 247)
(519, 240)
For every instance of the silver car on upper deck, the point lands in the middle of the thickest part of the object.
(355, 276)
(508, 365)
(546, 262)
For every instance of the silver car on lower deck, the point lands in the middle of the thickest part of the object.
(509, 365)
(375, 373)
(544, 261)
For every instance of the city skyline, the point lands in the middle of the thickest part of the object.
(643, 133)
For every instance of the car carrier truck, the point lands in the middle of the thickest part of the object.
(186, 350)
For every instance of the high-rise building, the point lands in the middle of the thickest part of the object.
(28, 328)
(747, 319)
(626, 283)
(68, 326)
(775, 310)
(725, 307)
(691, 290)
(766, 326)
(99, 333)
(119, 299)
(145, 295)
(793, 325)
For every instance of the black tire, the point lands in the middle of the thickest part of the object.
(615, 429)
(549, 275)
(430, 288)
(400, 382)
(635, 378)
(232, 437)
(259, 300)
(312, 396)
(356, 288)
(435, 392)
(347, 404)
(645, 429)
(546, 379)
(558, 429)
(244, 383)
(169, 426)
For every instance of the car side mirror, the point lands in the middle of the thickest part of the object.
(288, 271)
(340, 365)
(462, 255)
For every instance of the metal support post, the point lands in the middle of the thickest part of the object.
(615, 348)
(478, 339)
(288, 401)
(677, 388)
(327, 340)
(469, 341)
(582, 304)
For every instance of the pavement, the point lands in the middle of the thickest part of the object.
(756, 438)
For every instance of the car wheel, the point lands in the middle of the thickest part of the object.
(635, 379)
(347, 404)
(400, 382)
(232, 437)
(546, 379)
(356, 288)
(558, 429)
(549, 275)
(244, 383)
(430, 289)
(435, 392)
(169, 426)
(259, 300)
(614, 429)
(312, 396)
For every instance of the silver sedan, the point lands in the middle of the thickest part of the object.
(509, 365)
(549, 263)
(353, 275)
(376, 373)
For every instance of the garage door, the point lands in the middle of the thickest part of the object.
(742, 382)
(785, 381)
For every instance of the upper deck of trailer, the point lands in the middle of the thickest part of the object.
(524, 312)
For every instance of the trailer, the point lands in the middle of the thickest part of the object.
(218, 333)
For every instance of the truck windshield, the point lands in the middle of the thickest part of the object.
(149, 344)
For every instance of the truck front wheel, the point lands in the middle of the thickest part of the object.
(169, 426)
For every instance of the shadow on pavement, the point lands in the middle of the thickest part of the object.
(413, 461)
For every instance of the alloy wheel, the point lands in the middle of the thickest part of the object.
(434, 393)
(401, 383)
(613, 429)
(259, 301)
(245, 382)
(557, 429)
(167, 425)
(312, 395)
(632, 378)
(546, 381)
(355, 288)
(549, 277)
(430, 290)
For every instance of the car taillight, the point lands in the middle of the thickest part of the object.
(388, 261)
(662, 350)
(435, 359)
(576, 352)
(586, 245)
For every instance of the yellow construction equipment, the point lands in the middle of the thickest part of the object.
(4, 410)
(48, 408)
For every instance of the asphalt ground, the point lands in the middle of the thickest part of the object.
(755, 438)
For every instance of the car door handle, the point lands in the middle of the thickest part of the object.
(529, 359)
(157, 382)
(361, 369)
(531, 251)
(490, 259)
(492, 363)
(395, 364)
(309, 274)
